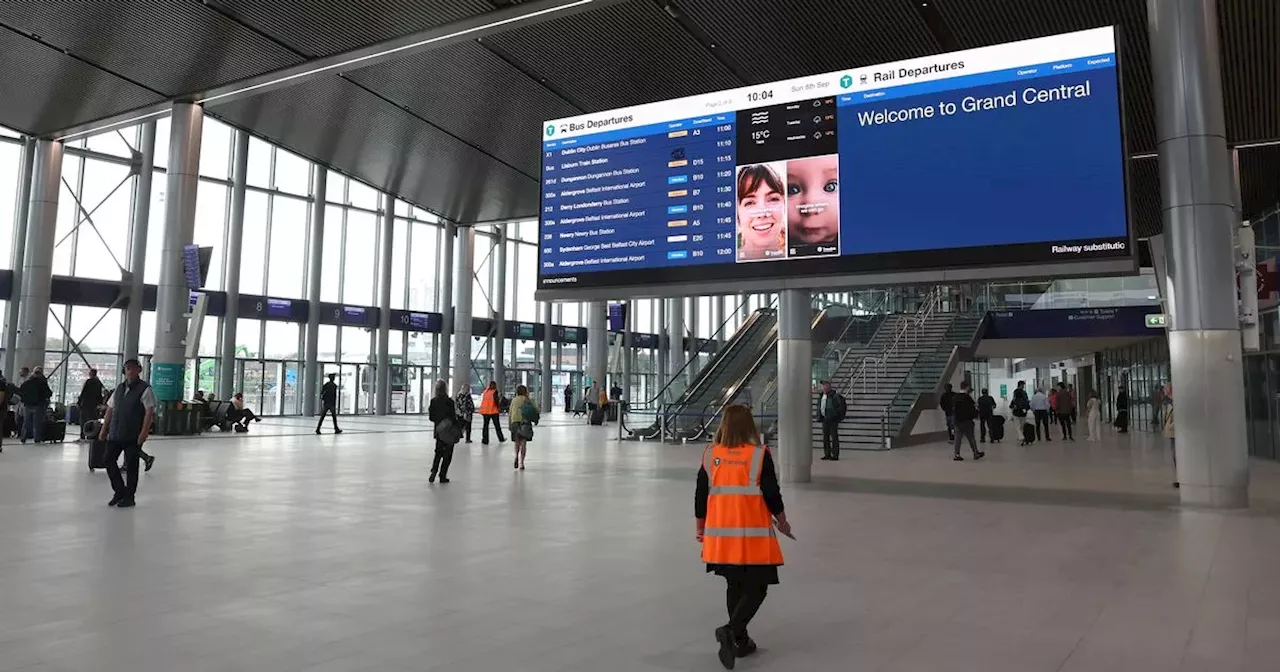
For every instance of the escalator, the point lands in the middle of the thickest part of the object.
(671, 419)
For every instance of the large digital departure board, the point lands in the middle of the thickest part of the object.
(1003, 158)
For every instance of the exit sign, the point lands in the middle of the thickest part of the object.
(1157, 321)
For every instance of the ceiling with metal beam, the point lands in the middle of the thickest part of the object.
(453, 127)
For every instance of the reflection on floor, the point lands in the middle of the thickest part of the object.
(284, 551)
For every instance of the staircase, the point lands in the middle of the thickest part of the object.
(909, 355)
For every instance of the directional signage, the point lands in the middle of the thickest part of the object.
(1157, 321)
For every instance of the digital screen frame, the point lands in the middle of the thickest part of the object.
(999, 162)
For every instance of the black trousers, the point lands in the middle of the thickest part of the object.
(984, 422)
(443, 458)
(743, 601)
(964, 430)
(465, 425)
(1042, 418)
(497, 427)
(132, 453)
(328, 410)
(1066, 421)
(830, 439)
(568, 405)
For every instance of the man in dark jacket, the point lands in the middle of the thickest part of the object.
(329, 403)
(986, 411)
(1066, 411)
(89, 400)
(830, 412)
(127, 425)
(946, 403)
(35, 395)
(965, 412)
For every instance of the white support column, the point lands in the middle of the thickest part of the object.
(37, 271)
(382, 400)
(21, 221)
(444, 360)
(235, 246)
(315, 270)
(463, 281)
(794, 451)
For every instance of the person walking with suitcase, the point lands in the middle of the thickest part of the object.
(130, 412)
(830, 412)
(89, 400)
(489, 411)
(329, 403)
(966, 413)
(986, 411)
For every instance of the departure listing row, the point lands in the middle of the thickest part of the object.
(1004, 155)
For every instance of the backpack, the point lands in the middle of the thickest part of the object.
(529, 411)
(448, 431)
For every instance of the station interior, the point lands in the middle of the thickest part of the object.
(278, 213)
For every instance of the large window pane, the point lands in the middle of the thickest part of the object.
(362, 195)
(215, 149)
(288, 241)
(211, 223)
(292, 173)
(281, 340)
(259, 163)
(526, 307)
(480, 282)
(248, 339)
(68, 215)
(10, 168)
(331, 266)
(105, 337)
(425, 271)
(252, 255)
(357, 345)
(155, 226)
(358, 271)
(110, 223)
(399, 257)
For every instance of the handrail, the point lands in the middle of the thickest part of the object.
(886, 411)
(917, 321)
(674, 376)
(705, 422)
(831, 346)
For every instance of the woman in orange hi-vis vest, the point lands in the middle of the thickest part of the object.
(736, 504)
(489, 411)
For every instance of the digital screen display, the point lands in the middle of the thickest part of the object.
(282, 308)
(419, 321)
(1011, 154)
(353, 315)
(191, 266)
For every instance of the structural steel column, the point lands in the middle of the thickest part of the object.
(1200, 217)
(311, 373)
(444, 362)
(694, 350)
(675, 328)
(173, 296)
(37, 271)
(717, 318)
(794, 453)
(548, 393)
(628, 311)
(462, 285)
(598, 343)
(138, 240)
(21, 218)
(235, 245)
(663, 353)
(744, 308)
(499, 293)
(382, 401)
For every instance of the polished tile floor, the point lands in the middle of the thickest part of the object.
(283, 551)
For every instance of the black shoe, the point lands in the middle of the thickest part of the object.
(984, 441)
(432, 477)
(444, 479)
(115, 500)
(317, 432)
(745, 646)
(126, 503)
(516, 464)
(957, 458)
(728, 657)
(257, 419)
(1177, 485)
(337, 431)
(484, 442)
(149, 460)
(979, 455)
(825, 458)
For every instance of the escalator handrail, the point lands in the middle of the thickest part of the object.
(727, 400)
(692, 394)
(656, 399)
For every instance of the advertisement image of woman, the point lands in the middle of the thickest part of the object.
(813, 202)
(762, 213)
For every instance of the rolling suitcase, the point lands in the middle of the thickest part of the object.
(97, 455)
(597, 416)
(1028, 434)
(997, 427)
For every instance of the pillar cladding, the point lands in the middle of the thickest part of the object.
(794, 449)
(311, 372)
(1200, 215)
(465, 249)
(173, 295)
(37, 265)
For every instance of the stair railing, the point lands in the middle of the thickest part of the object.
(913, 325)
(832, 349)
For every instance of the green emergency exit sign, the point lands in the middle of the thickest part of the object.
(1157, 321)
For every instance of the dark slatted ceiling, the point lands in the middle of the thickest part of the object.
(325, 27)
(810, 36)
(1251, 69)
(1259, 180)
(980, 23)
(173, 47)
(43, 90)
(473, 94)
(616, 56)
(335, 122)
(1144, 196)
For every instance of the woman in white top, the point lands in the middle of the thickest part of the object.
(1093, 413)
